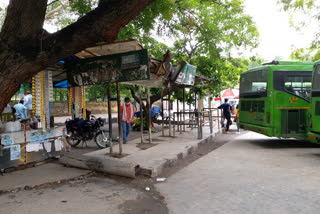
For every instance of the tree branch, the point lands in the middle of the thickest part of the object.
(57, 9)
(101, 24)
(24, 20)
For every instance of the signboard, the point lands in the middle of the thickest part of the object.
(187, 75)
(130, 66)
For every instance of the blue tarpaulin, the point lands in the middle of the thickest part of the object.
(63, 84)
(154, 111)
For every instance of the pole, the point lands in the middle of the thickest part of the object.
(210, 121)
(195, 101)
(178, 122)
(141, 115)
(201, 115)
(169, 114)
(162, 112)
(189, 115)
(184, 109)
(119, 119)
(174, 125)
(218, 119)
(109, 117)
(198, 124)
(150, 122)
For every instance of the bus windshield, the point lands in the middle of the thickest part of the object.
(254, 84)
(294, 82)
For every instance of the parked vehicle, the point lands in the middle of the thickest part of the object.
(83, 130)
(275, 99)
(314, 118)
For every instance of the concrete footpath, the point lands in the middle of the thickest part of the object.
(154, 159)
(163, 153)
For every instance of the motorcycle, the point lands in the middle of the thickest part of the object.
(83, 130)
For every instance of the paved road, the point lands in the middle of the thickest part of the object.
(252, 174)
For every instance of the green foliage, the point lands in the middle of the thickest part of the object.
(297, 4)
(75, 10)
(82, 7)
(309, 10)
(98, 93)
(305, 54)
(3, 12)
(203, 33)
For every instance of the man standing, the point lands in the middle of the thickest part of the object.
(28, 103)
(127, 118)
(21, 110)
(226, 107)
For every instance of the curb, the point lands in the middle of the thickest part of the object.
(175, 160)
(62, 181)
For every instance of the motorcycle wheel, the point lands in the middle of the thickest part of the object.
(100, 141)
(73, 141)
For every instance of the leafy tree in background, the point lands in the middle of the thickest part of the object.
(203, 33)
(305, 54)
(309, 10)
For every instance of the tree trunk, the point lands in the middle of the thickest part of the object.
(26, 48)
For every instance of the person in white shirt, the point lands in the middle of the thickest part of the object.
(28, 103)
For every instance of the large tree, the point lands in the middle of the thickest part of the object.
(204, 33)
(27, 48)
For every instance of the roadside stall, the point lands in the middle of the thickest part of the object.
(34, 139)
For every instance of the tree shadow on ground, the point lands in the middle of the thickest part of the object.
(274, 143)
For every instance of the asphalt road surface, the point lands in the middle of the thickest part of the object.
(251, 174)
(248, 174)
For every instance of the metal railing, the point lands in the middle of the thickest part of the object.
(194, 122)
(213, 113)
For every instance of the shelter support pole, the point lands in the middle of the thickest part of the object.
(210, 121)
(141, 115)
(178, 122)
(109, 117)
(198, 123)
(195, 101)
(162, 112)
(119, 119)
(201, 116)
(184, 108)
(169, 114)
(189, 115)
(150, 122)
(218, 119)
(174, 125)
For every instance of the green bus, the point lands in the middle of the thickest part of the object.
(314, 120)
(275, 99)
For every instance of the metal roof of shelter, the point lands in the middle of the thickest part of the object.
(109, 49)
(160, 70)
(157, 69)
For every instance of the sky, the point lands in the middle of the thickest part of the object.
(277, 38)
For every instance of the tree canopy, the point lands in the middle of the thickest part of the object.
(309, 11)
(27, 48)
(202, 32)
